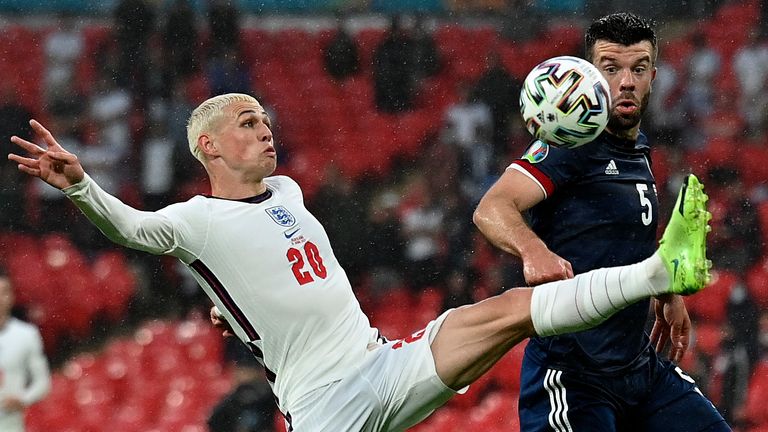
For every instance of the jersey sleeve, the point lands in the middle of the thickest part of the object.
(550, 167)
(158, 232)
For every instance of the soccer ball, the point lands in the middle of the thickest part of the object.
(565, 102)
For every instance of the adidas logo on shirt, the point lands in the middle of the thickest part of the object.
(611, 168)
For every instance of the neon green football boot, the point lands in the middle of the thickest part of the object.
(683, 247)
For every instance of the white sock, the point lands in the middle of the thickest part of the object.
(591, 298)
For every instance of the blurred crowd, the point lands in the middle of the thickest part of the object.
(407, 230)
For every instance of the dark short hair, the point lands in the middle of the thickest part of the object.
(623, 28)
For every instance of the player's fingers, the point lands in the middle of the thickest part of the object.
(27, 170)
(29, 146)
(655, 333)
(62, 156)
(568, 270)
(677, 352)
(34, 163)
(45, 134)
(660, 344)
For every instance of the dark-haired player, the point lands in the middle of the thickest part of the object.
(592, 207)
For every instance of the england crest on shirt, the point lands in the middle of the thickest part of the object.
(281, 216)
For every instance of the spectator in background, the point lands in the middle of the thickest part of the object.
(735, 223)
(382, 234)
(459, 289)
(393, 70)
(179, 37)
(421, 222)
(13, 117)
(337, 205)
(23, 366)
(699, 96)
(177, 110)
(426, 57)
(664, 109)
(501, 92)
(224, 25)
(157, 164)
(468, 126)
(750, 63)
(763, 335)
(249, 407)
(63, 48)
(228, 73)
(738, 353)
(341, 55)
(134, 22)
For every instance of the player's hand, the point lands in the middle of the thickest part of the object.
(12, 404)
(218, 321)
(545, 266)
(52, 164)
(672, 324)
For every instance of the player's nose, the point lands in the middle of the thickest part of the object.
(265, 133)
(626, 80)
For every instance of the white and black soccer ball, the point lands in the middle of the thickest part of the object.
(565, 102)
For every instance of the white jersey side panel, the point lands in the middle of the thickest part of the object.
(270, 269)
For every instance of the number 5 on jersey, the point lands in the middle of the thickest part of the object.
(298, 261)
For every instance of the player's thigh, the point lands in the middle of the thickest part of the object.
(406, 381)
(676, 404)
(555, 400)
(485, 331)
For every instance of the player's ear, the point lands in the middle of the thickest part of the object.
(206, 145)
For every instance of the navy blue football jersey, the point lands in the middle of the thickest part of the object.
(600, 210)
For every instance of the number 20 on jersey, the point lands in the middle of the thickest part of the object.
(299, 259)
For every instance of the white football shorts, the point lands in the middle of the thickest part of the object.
(395, 387)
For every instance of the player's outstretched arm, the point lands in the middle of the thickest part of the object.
(53, 164)
(147, 231)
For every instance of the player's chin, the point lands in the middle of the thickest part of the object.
(269, 165)
(619, 121)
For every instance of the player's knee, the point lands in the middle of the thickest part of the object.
(516, 312)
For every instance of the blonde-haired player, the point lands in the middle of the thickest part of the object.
(267, 265)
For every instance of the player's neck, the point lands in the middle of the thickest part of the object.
(4, 320)
(236, 184)
(626, 134)
(231, 188)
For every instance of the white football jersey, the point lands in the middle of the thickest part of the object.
(267, 264)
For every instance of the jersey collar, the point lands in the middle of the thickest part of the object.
(625, 145)
(256, 199)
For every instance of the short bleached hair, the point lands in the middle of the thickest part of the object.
(207, 115)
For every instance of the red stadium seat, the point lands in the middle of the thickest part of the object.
(707, 338)
(115, 281)
(498, 411)
(757, 394)
(757, 279)
(711, 304)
